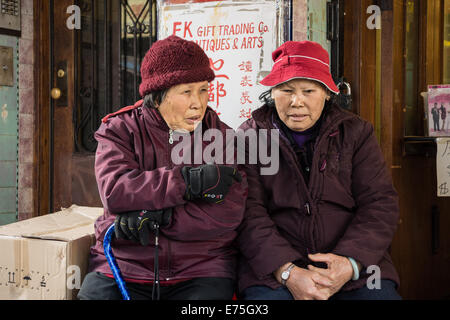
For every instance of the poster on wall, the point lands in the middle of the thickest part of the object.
(238, 37)
(439, 111)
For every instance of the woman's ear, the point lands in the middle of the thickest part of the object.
(328, 94)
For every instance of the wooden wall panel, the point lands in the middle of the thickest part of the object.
(63, 129)
(42, 97)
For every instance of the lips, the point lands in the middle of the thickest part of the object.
(192, 120)
(298, 117)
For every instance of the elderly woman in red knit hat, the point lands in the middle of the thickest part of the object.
(328, 234)
(141, 182)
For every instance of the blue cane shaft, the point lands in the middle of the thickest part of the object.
(113, 263)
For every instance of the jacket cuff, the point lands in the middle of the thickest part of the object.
(363, 256)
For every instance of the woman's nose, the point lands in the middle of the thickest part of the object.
(296, 100)
(196, 101)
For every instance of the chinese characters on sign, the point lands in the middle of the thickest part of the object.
(443, 167)
(246, 66)
(216, 87)
(239, 38)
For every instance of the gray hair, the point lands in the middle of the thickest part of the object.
(154, 99)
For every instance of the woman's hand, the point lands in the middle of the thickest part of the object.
(339, 270)
(209, 182)
(304, 284)
(308, 285)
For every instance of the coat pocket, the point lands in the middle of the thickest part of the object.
(334, 192)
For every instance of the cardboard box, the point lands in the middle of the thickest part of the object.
(46, 258)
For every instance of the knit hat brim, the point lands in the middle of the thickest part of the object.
(167, 80)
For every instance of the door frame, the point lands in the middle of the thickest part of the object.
(53, 139)
(372, 98)
(54, 145)
(41, 194)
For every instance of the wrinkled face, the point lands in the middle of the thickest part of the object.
(299, 103)
(184, 105)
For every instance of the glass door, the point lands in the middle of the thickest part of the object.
(446, 44)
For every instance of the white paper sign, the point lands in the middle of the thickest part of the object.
(443, 167)
(239, 38)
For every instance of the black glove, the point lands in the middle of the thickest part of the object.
(209, 182)
(136, 225)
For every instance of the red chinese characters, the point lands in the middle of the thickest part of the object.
(245, 98)
(216, 91)
(217, 88)
(246, 66)
(246, 114)
(246, 82)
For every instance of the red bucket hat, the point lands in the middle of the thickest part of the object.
(173, 61)
(300, 59)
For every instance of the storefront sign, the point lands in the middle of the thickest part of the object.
(238, 37)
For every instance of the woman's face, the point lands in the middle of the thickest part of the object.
(184, 105)
(299, 103)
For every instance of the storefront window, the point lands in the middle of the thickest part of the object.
(317, 23)
(111, 44)
(411, 67)
(138, 32)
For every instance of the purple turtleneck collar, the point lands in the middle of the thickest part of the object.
(301, 137)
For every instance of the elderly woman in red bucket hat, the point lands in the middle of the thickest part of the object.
(320, 228)
(141, 182)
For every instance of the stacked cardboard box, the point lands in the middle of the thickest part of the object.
(46, 257)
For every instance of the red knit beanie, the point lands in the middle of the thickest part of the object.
(173, 61)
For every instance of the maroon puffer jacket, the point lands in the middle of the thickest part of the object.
(134, 171)
(349, 208)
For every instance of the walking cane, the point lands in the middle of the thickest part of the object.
(115, 268)
(113, 263)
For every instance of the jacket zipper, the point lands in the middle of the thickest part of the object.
(169, 271)
(308, 209)
(170, 136)
(170, 165)
(307, 205)
(318, 161)
(319, 166)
